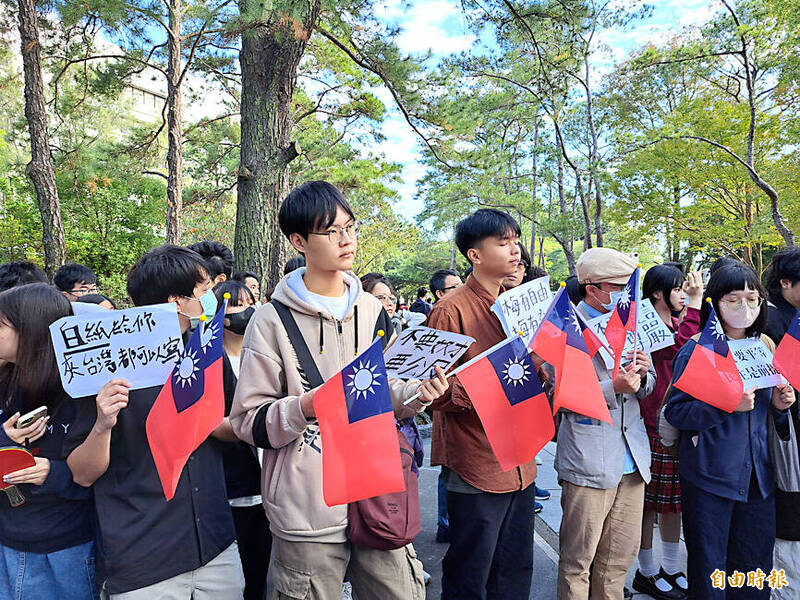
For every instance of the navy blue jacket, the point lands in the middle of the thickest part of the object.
(730, 448)
(57, 514)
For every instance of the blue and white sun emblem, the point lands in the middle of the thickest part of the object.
(515, 372)
(625, 297)
(717, 331)
(576, 322)
(186, 374)
(209, 335)
(363, 380)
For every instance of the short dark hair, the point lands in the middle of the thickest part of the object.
(482, 224)
(95, 299)
(422, 291)
(294, 263)
(218, 257)
(531, 272)
(677, 265)
(312, 205)
(731, 278)
(71, 273)
(662, 278)
(575, 290)
(723, 261)
(785, 265)
(163, 272)
(438, 279)
(370, 280)
(34, 376)
(244, 275)
(20, 272)
(235, 289)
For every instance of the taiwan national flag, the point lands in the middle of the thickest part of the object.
(360, 448)
(711, 374)
(190, 405)
(623, 319)
(505, 390)
(566, 342)
(787, 355)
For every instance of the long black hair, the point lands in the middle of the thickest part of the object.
(734, 277)
(33, 377)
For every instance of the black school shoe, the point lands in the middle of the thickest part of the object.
(673, 580)
(647, 585)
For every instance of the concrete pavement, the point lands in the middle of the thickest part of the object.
(548, 522)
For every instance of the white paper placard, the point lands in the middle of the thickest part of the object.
(523, 308)
(138, 344)
(653, 332)
(416, 351)
(754, 361)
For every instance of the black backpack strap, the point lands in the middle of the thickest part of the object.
(308, 370)
(384, 323)
(304, 357)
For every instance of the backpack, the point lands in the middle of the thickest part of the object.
(383, 522)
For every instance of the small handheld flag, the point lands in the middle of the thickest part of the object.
(360, 448)
(623, 319)
(711, 374)
(190, 405)
(566, 342)
(787, 355)
(505, 390)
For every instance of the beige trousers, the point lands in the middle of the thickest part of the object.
(315, 571)
(600, 526)
(220, 579)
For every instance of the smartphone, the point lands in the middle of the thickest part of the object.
(29, 418)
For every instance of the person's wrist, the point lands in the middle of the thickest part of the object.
(101, 427)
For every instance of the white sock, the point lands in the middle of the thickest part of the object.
(647, 564)
(663, 585)
(670, 557)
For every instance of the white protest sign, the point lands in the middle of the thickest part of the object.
(137, 344)
(754, 361)
(416, 351)
(523, 308)
(653, 332)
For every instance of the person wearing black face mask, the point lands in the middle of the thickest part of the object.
(240, 310)
(242, 461)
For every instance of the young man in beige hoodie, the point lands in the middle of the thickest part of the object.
(273, 407)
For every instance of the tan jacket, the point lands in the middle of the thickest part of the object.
(270, 378)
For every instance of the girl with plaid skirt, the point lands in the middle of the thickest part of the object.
(670, 293)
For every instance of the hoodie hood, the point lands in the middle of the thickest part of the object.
(292, 291)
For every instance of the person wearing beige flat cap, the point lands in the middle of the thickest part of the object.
(603, 467)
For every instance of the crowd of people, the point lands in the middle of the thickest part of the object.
(95, 522)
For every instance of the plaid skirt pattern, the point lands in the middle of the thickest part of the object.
(663, 493)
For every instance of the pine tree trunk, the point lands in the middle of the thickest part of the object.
(271, 51)
(174, 126)
(534, 181)
(40, 168)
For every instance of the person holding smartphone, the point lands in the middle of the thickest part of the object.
(47, 542)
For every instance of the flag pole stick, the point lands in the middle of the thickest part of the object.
(447, 376)
(469, 363)
(636, 319)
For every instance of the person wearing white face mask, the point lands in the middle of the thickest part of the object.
(603, 467)
(727, 477)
